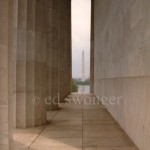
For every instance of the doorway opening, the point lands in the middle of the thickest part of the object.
(81, 27)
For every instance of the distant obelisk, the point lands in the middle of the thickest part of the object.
(83, 67)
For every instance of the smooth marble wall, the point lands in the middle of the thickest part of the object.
(121, 61)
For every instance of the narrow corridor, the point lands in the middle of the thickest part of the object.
(76, 126)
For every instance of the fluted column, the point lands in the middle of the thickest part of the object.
(52, 53)
(40, 61)
(58, 50)
(6, 45)
(68, 50)
(31, 64)
(92, 49)
(61, 48)
(64, 48)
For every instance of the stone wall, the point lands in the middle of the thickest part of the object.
(122, 60)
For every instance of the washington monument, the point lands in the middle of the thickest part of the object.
(83, 68)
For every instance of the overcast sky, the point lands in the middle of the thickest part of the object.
(81, 17)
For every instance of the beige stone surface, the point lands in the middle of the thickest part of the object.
(64, 49)
(68, 134)
(28, 70)
(92, 49)
(121, 56)
(6, 59)
(30, 73)
(58, 55)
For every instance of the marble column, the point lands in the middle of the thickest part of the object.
(92, 49)
(52, 54)
(69, 50)
(61, 48)
(64, 48)
(31, 63)
(40, 61)
(6, 50)
(58, 50)
(68, 47)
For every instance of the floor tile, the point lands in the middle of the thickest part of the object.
(44, 141)
(102, 134)
(111, 148)
(107, 142)
(55, 148)
(64, 128)
(75, 127)
(66, 122)
(101, 127)
(62, 134)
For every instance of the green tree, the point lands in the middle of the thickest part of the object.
(74, 86)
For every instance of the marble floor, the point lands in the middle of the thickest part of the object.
(78, 125)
